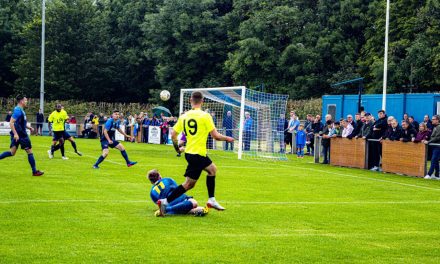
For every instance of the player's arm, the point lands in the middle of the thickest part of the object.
(107, 136)
(219, 137)
(123, 133)
(14, 131)
(175, 141)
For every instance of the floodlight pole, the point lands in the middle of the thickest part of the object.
(385, 58)
(43, 29)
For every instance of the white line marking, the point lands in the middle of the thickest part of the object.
(225, 202)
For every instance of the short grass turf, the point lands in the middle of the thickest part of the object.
(277, 212)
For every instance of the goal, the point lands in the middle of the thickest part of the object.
(251, 117)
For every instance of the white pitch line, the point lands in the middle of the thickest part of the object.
(225, 202)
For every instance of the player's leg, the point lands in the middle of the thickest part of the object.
(61, 144)
(72, 142)
(124, 154)
(12, 150)
(182, 205)
(210, 185)
(27, 146)
(102, 157)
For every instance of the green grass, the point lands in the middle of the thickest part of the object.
(277, 212)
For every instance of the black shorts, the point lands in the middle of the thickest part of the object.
(24, 142)
(196, 164)
(57, 135)
(66, 135)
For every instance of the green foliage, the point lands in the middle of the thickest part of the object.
(128, 50)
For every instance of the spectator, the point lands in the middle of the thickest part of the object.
(414, 124)
(358, 127)
(72, 120)
(394, 132)
(405, 117)
(210, 143)
(435, 139)
(423, 134)
(326, 135)
(337, 131)
(101, 123)
(309, 133)
(40, 121)
(172, 121)
(8, 116)
(376, 133)
(347, 128)
(351, 121)
(228, 126)
(247, 135)
(428, 122)
(289, 135)
(145, 125)
(366, 126)
(293, 127)
(408, 132)
(300, 141)
(165, 129)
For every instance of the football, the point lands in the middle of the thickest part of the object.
(164, 95)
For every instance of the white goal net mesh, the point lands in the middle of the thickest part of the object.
(240, 112)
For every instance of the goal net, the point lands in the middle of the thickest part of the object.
(252, 118)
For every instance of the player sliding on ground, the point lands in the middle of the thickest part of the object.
(196, 124)
(162, 187)
(19, 137)
(108, 140)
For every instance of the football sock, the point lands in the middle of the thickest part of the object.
(180, 208)
(176, 193)
(124, 154)
(31, 160)
(5, 154)
(210, 184)
(100, 159)
(52, 149)
(62, 149)
(74, 146)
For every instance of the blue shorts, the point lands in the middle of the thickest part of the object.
(180, 199)
(57, 135)
(105, 144)
(24, 142)
(66, 135)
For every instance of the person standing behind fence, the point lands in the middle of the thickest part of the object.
(40, 121)
(394, 133)
(293, 128)
(435, 139)
(408, 132)
(423, 134)
(366, 127)
(8, 116)
(347, 128)
(247, 129)
(326, 135)
(358, 127)
(228, 126)
(376, 133)
(300, 141)
(145, 124)
(427, 122)
(101, 122)
(309, 132)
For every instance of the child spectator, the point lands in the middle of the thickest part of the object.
(300, 141)
(337, 131)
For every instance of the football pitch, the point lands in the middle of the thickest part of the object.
(276, 212)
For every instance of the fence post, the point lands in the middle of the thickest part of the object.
(317, 148)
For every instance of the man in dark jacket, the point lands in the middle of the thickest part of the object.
(282, 132)
(326, 135)
(394, 132)
(375, 147)
(435, 139)
(228, 126)
(357, 127)
(408, 132)
(40, 121)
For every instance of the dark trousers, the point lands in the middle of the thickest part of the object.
(326, 153)
(434, 161)
(374, 154)
(146, 134)
(247, 141)
(229, 134)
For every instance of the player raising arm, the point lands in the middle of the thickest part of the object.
(196, 124)
(108, 140)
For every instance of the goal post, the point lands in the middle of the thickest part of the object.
(249, 116)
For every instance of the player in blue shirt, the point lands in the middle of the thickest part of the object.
(108, 140)
(19, 137)
(163, 187)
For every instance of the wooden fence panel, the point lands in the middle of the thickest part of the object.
(348, 152)
(404, 158)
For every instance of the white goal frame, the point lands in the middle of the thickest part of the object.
(242, 107)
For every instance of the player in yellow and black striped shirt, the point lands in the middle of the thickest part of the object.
(196, 125)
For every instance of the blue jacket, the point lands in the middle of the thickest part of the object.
(248, 124)
(301, 137)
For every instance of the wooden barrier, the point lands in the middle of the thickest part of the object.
(348, 152)
(404, 158)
